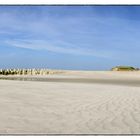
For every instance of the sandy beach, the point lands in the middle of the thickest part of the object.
(72, 102)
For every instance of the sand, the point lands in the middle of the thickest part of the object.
(36, 107)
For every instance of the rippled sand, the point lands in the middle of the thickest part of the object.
(30, 107)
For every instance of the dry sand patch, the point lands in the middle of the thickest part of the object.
(29, 107)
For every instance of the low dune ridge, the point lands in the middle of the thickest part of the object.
(30, 107)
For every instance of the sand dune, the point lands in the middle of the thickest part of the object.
(29, 107)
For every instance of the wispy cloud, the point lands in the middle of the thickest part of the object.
(80, 33)
(56, 48)
(69, 35)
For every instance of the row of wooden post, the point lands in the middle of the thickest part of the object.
(26, 71)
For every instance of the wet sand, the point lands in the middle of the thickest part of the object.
(122, 82)
(71, 103)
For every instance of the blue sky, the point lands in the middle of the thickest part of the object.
(69, 37)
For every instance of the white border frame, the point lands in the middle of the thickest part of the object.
(71, 2)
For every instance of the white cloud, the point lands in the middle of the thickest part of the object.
(86, 34)
(47, 46)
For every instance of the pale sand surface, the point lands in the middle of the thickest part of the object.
(30, 107)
